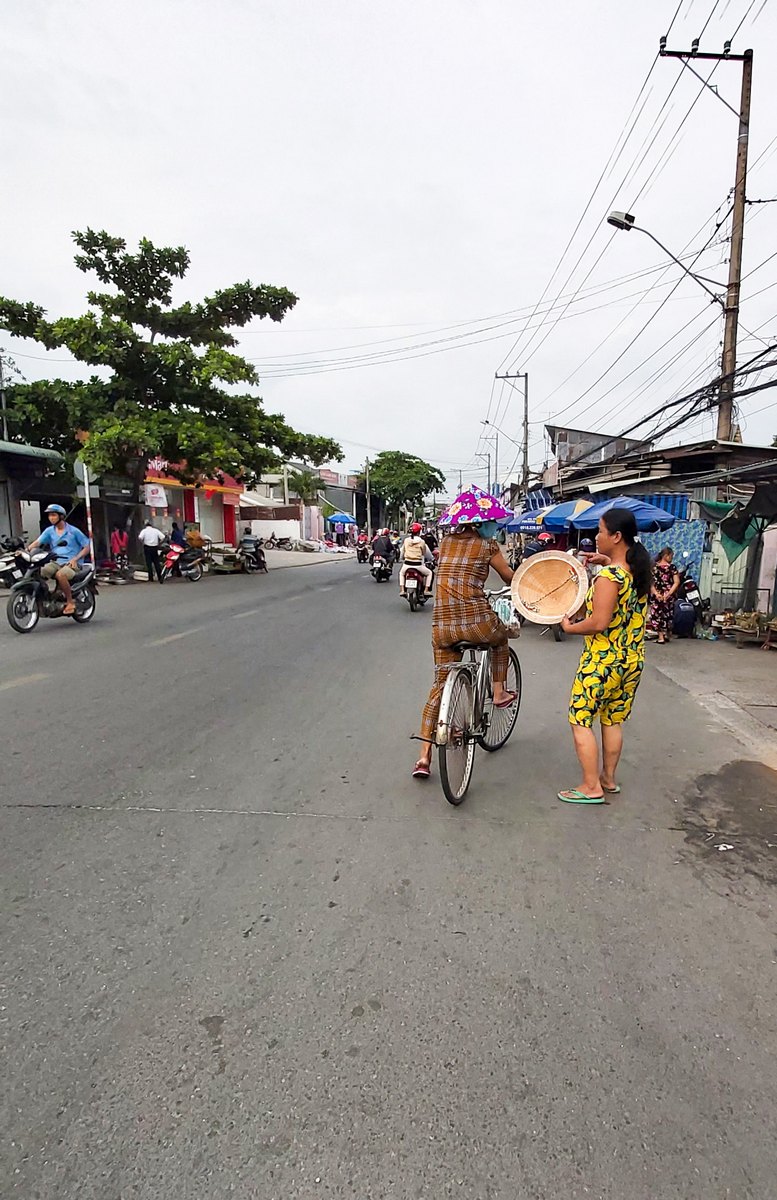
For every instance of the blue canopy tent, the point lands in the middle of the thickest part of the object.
(341, 519)
(649, 518)
(528, 521)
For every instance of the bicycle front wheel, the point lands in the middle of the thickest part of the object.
(499, 723)
(457, 752)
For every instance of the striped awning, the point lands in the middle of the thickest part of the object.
(675, 503)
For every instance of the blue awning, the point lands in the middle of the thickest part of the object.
(539, 498)
(675, 503)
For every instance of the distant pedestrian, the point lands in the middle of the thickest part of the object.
(666, 581)
(176, 536)
(119, 543)
(151, 538)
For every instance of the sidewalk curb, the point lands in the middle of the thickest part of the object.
(758, 739)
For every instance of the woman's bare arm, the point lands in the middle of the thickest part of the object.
(502, 567)
(605, 600)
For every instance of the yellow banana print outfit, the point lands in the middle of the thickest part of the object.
(611, 663)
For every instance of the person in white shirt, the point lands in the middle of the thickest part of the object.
(150, 538)
(415, 553)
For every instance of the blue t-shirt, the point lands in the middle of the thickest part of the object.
(64, 545)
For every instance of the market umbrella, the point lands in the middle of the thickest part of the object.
(556, 518)
(528, 521)
(341, 519)
(649, 518)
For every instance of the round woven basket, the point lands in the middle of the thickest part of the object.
(549, 586)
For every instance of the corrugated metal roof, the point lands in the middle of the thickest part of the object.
(29, 451)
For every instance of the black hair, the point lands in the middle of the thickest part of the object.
(663, 552)
(621, 520)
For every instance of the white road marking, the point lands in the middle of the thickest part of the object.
(12, 683)
(330, 587)
(173, 637)
(299, 597)
(249, 612)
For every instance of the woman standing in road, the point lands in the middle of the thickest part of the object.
(461, 611)
(666, 581)
(611, 663)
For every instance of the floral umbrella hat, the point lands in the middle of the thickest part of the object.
(472, 507)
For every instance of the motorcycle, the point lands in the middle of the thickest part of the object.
(276, 543)
(10, 570)
(362, 552)
(381, 568)
(251, 555)
(415, 586)
(689, 607)
(188, 560)
(33, 597)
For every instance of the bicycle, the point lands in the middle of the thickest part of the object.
(468, 717)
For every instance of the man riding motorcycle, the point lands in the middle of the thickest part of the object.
(415, 553)
(544, 541)
(67, 545)
(383, 545)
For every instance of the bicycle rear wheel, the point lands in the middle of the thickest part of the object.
(500, 722)
(457, 753)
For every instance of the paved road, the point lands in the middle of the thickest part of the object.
(246, 955)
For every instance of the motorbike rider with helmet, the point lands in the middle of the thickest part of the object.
(67, 545)
(383, 545)
(415, 553)
(544, 541)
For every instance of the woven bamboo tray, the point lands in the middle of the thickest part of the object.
(549, 586)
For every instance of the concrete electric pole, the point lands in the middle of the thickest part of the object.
(524, 375)
(729, 361)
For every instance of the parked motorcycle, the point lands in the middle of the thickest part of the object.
(381, 568)
(276, 543)
(187, 559)
(415, 586)
(689, 607)
(33, 597)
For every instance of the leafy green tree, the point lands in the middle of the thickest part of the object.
(168, 383)
(403, 480)
(774, 441)
(306, 485)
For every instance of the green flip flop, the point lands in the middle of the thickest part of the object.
(573, 796)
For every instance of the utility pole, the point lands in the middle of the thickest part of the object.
(729, 361)
(487, 456)
(367, 489)
(524, 375)
(461, 485)
(2, 401)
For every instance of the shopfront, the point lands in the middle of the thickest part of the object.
(209, 505)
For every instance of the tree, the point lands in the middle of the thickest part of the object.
(774, 441)
(403, 480)
(306, 485)
(169, 383)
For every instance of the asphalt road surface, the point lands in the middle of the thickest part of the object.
(246, 955)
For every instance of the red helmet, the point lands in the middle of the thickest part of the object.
(546, 538)
(415, 528)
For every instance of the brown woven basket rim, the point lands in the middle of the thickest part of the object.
(546, 570)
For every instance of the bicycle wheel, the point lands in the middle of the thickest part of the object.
(499, 723)
(457, 753)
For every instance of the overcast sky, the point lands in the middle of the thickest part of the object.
(404, 167)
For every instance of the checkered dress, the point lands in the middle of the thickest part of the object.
(462, 614)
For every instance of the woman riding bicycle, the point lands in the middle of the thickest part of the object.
(461, 611)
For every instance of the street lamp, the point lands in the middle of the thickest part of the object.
(623, 220)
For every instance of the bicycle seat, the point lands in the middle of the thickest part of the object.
(462, 646)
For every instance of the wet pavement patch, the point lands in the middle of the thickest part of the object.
(730, 820)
